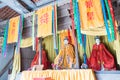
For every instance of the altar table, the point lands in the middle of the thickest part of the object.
(70, 74)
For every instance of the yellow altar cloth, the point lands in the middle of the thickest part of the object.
(75, 74)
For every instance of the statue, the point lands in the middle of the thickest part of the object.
(35, 61)
(66, 57)
(101, 58)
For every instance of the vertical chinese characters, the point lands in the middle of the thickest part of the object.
(44, 18)
(13, 29)
(44, 21)
(89, 5)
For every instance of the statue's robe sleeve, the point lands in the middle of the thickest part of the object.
(107, 59)
(94, 62)
(45, 60)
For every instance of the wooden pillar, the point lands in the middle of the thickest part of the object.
(40, 51)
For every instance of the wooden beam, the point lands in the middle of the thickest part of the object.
(41, 2)
(3, 10)
(6, 13)
(29, 3)
(15, 5)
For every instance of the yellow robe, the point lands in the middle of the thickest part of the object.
(62, 59)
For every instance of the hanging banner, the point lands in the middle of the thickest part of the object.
(105, 20)
(13, 30)
(110, 20)
(20, 33)
(44, 21)
(16, 64)
(77, 21)
(90, 14)
(4, 45)
(113, 17)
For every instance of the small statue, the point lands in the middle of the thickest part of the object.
(45, 61)
(101, 58)
(66, 57)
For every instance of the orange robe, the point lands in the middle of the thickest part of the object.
(100, 55)
(45, 62)
(62, 59)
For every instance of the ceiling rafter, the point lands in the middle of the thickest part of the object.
(5, 13)
(25, 5)
(13, 14)
(3, 10)
(9, 13)
(29, 3)
(45, 3)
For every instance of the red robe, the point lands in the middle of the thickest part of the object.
(45, 62)
(100, 55)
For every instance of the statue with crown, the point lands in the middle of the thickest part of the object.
(101, 58)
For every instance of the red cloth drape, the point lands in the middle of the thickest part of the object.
(100, 55)
(45, 62)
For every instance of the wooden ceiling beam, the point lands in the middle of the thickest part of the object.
(29, 3)
(12, 15)
(3, 12)
(15, 5)
(9, 14)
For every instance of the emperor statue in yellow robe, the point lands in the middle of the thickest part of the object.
(66, 57)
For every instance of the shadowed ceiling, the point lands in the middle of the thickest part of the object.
(12, 8)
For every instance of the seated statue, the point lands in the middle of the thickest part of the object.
(101, 58)
(66, 57)
(45, 62)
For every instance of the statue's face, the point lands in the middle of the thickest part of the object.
(65, 41)
(97, 41)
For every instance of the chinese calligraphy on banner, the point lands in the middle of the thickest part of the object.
(90, 14)
(13, 30)
(44, 21)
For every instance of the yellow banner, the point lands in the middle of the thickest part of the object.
(90, 14)
(13, 30)
(44, 21)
